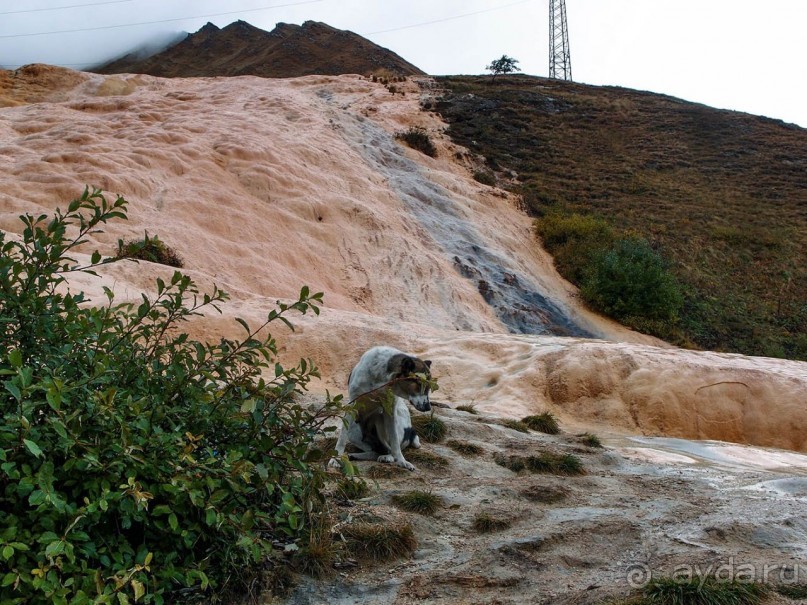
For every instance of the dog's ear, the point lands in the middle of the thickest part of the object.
(428, 363)
(408, 365)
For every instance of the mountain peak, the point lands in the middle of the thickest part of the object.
(287, 51)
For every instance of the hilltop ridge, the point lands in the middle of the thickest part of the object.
(288, 51)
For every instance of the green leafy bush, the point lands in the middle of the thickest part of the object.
(151, 249)
(618, 275)
(632, 280)
(574, 240)
(138, 465)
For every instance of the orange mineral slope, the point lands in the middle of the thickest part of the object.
(265, 185)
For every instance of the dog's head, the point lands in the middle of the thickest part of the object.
(411, 376)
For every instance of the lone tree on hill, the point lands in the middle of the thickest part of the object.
(503, 65)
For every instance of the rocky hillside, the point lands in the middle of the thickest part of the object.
(287, 51)
(504, 532)
(262, 186)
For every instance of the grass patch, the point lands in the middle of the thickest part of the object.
(318, 553)
(425, 459)
(716, 194)
(485, 177)
(485, 522)
(467, 408)
(543, 423)
(352, 488)
(379, 541)
(150, 249)
(545, 462)
(417, 501)
(702, 591)
(516, 425)
(546, 494)
(429, 428)
(385, 471)
(797, 592)
(464, 447)
(417, 138)
(589, 440)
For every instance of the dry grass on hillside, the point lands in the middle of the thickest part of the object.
(722, 195)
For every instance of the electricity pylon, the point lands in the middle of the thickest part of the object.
(560, 60)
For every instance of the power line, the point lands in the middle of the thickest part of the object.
(479, 12)
(90, 29)
(58, 8)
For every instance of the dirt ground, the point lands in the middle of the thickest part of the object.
(644, 508)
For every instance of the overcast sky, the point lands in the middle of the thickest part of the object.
(733, 54)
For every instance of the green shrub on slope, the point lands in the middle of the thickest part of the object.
(631, 280)
(137, 465)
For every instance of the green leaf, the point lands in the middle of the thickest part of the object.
(37, 497)
(15, 358)
(33, 448)
(243, 324)
(55, 549)
(8, 579)
(139, 590)
(210, 516)
(8, 552)
(173, 522)
(13, 389)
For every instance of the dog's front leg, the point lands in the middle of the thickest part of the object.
(390, 425)
(341, 442)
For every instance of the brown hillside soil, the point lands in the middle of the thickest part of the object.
(288, 51)
(721, 194)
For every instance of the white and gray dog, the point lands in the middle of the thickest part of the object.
(378, 434)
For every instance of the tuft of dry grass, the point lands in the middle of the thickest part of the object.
(429, 428)
(702, 591)
(417, 501)
(466, 408)
(464, 447)
(352, 488)
(516, 425)
(316, 555)
(797, 592)
(379, 541)
(425, 459)
(486, 522)
(546, 494)
(589, 440)
(543, 423)
(385, 471)
(545, 462)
